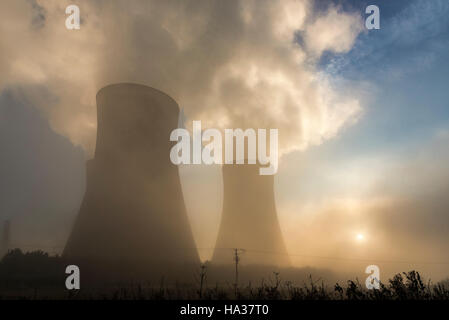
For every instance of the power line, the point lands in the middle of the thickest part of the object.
(331, 258)
(288, 254)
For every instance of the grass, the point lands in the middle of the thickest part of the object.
(31, 276)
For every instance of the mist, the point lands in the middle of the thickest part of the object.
(229, 64)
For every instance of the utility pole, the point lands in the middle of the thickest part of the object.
(4, 246)
(237, 259)
(202, 278)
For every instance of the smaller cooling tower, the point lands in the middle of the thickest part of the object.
(133, 216)
(249, 220)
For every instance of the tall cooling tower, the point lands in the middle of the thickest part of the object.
(133, 215)
(249, 220)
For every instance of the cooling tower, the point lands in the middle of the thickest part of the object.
(249, 219)
(133, 215)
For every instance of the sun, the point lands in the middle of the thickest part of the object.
(360, 237)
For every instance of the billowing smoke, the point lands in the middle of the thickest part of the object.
(228, 63)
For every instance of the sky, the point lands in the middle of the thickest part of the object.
(362, 114)
(387, 174)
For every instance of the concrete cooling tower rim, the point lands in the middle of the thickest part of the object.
(144, 88)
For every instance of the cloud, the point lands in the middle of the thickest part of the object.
(409, 41)
(227, 63)
(333, 31)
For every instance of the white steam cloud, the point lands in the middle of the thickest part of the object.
(227, 63)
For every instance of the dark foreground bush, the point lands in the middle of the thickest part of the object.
(30, 270)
